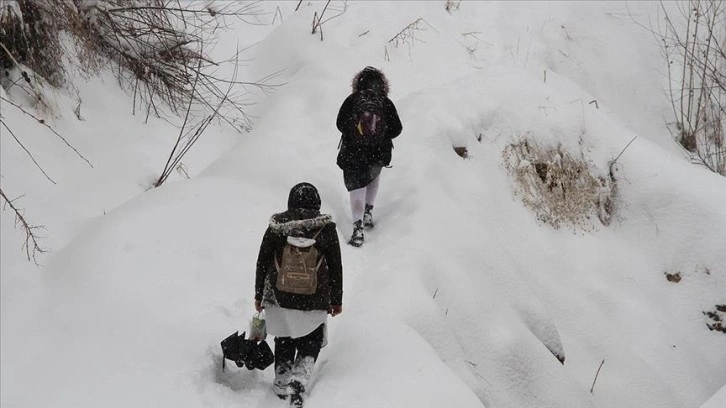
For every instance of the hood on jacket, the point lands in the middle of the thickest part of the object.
(305, 196)
(370, 78)
(303, 212)
(298, 222)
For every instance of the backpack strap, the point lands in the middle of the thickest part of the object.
(318, 233)
(320, 261)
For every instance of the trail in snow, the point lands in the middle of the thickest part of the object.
(458, 295)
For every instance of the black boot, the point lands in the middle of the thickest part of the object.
(368, 217)
(296, 399)
(357, 239)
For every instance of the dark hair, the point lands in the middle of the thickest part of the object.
(303, 195)
(370, 78)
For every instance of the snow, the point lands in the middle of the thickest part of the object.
(459, 297)
(718, 399)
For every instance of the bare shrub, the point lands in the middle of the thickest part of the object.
(157, 48)
(693, 42)
(318, 21)
(161, 49)
(558, 188)
(30, 35)
(407, 36)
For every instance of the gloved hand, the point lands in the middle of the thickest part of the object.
(335, 310)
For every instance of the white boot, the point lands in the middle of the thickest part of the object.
(357, 239)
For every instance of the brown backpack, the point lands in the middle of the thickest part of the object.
(297, 270)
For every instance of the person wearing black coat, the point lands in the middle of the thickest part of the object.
(362, 164)
(298, 320)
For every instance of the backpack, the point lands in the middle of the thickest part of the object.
(368, 123)
(297, 270)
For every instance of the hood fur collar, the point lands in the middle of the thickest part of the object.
(284, 224)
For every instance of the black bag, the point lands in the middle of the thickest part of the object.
(369, 126)
(260, 357)
(245, 352)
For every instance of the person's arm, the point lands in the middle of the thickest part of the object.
(393, 122)
(264, 259)
(344, 115)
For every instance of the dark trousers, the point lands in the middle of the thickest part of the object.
(287, 349)
(295, 358)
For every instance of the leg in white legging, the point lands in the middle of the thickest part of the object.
(357, 203)
(372, 190)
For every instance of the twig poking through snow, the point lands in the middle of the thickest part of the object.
(596, 374)
(623, 151)
(613, 161)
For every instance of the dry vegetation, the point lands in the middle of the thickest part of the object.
(560, 189)
(717, 318)
(693, 42)
(158, 50)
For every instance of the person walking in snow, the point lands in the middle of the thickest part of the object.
(368, 122)
(299, 281)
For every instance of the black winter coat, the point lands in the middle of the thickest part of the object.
(300, 223)
(354, 157)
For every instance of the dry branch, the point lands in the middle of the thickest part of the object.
(30, 246)
(42, 122)
(596, 375)
(2, 122)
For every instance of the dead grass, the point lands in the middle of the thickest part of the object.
(716, 318)
(673, 277)
(561, 190)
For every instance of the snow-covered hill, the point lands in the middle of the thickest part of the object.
(459, 297)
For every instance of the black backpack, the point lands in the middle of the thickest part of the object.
(369, 127)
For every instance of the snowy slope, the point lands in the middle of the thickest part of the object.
(459, 296)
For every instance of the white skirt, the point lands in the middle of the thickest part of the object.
(282, 322)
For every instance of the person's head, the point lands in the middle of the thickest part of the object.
(370, 78)
(304, 196)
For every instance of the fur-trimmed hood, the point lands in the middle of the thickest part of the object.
(370, 78)
(298, 221)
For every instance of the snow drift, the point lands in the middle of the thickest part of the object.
(459, 297)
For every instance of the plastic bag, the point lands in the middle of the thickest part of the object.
(258, 329)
